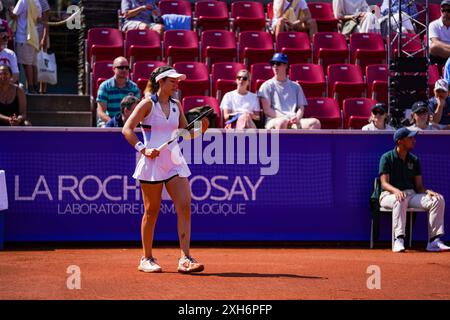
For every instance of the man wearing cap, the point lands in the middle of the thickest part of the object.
(112, 91)
(7, 56)
(420, 117)
(439, 36)
(439, 105)
(401, 182)
(127, 106)
(283, 100)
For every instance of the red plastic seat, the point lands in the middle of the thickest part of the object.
(255, 46)
(345, 81)
(366, 49)
(101, 71)
(191, 102)
(412, 45)
(310, 77)
(175, 7)
(248, 15)
(322, 12)
(211, 15)
(295, 45)
(180, 45)
(104, 44)
(434, 11)
(260, 72)
(270, 10)
(433, 76)
(223, 76)
(142, 70)
(218, 46)
(197, 78)
(329, 48)
(377, 82)
(326, 110)
(356, 112)
(141, 45)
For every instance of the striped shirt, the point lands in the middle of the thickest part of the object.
(111, 95)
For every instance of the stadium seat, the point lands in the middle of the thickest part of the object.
(310, 77)
(260, 72)
(434, 11)
(295, 45)
(326, 110)
(141, 45)
(366, 49)
(377, 82)
(269, 8)
(329, 48)
(218, 46)
(197, 78)
(247, 15)
(345, 81)
(433, 76)
(223, 76)
(175, 7)
(104, 44)
(255, 46)
(191, 102)
(412, 45)
(142, 70)
(322, 12)
(180, 45)
(356, 112)
(211, 15)
(101, 71)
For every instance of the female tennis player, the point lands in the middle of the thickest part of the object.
(160, 115)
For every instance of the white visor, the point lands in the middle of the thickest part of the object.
(172, 73)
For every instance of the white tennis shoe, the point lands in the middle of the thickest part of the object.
(399, 245)
(437, 245)
(189, 264)
(149, 265)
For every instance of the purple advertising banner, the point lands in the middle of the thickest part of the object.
(77, 185)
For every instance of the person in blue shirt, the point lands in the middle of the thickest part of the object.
(127, 106)
(440, 105)
(141, 14)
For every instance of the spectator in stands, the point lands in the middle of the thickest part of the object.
(292, 15)
(127, 106)
(142, 14)
(355, 16)
(439, 105)
(401, 182)
(283, 100)
(26, 13)
(111, 92)
(420, 117)
(240, 107)
(44, 36)
(378, 119)
(439, 37)
(7, 56)
(409, 10)
(13, 103)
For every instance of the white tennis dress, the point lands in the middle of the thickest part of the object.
(157, 129)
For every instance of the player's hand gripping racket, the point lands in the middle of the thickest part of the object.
(189, 127)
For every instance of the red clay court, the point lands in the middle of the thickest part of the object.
(231, 273)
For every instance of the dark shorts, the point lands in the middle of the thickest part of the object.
(159, 181)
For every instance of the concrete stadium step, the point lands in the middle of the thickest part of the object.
(60, 119)
(58, 103)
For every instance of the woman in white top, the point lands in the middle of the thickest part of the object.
(160, 116)
(420, 117)
(240, 107)
(378, 119)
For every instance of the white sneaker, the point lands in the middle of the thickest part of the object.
(149, 265)
(399, 245)
(437, 245)
(189, 264)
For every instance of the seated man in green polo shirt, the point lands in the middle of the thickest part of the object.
(401, 181)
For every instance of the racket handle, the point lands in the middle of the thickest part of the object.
(163, 146)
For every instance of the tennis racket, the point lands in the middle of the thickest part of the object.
(189, 127)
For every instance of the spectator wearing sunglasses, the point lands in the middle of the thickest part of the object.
(283, 100)
(112, 91)
(240, 107)
(439, 105)
(7, 56)
(420, 117)
(439, 36)
(378, 119)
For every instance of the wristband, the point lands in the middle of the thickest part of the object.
(139, 146)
